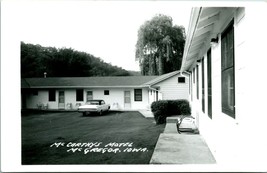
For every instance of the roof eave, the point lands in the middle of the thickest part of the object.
(194, 17)
(157, 80)
(73, 87)
(205, 23)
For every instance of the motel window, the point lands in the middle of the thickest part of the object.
(203, 84)
(209, 84)
(197, 83)
(189, 83)
(194, 75)
(79, 95)
(228, 71)
(35, 92)
(181, 79)
(137, 94)
(106, 92)
(52, 95)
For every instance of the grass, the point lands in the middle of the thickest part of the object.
(42, 129)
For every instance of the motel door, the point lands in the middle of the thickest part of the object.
(127, 99)
(61, 100)
(89, 95)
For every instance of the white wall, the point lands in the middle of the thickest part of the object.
(172, 90)
(240, 141)
(115, 98)
(33, 100)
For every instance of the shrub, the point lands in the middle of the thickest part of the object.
(165, 108)
(159, 109)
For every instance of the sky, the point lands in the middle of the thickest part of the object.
(102, 28)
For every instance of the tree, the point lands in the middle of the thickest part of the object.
(160, 46)
(63, 62)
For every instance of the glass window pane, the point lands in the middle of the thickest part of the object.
(228, 90)
(79, 95)
(52, 95)
(223, 52)
(89, 95)
(138, 94)
(228, 86)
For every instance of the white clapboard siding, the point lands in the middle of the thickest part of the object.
(171, 89)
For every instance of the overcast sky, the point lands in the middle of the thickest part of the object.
(104, 29)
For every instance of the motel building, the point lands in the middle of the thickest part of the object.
(225, 54)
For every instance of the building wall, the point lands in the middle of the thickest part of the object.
(152, 96)
(238, 140)
(172, 90)
(32, 100)
(115, 98)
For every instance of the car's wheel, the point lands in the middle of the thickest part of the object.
(84, 113)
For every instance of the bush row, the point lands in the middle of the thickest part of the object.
(165, 108)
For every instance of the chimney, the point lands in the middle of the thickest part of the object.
(45, 74)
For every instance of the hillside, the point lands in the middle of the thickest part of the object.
(64, 62)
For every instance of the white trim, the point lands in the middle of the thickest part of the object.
(195, 13)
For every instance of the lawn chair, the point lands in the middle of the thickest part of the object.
(77, 105)
(69, 106)
(45, 106)
(40, 106)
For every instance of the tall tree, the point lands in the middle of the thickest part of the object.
(63, 62)
(160, 46)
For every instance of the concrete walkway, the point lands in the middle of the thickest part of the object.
(175, 148)
(181, 149)
(147, 113)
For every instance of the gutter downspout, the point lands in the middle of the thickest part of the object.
(181, 73)
(153, 88)
(149, 86)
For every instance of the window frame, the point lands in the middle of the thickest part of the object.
(209, 83)
(89, 95)
(194, 73)
(51, 95)
(189, 83)
(228, 71)
(181, 82)
(138, 95)
(197, 76)
(79, 95)
(203, 84)
(35, 92)
(106, 92)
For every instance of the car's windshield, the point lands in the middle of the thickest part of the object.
(92, 103)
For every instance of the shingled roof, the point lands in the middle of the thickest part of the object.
(95, 82)
(162, 78)
(24, 84)
(80, 82)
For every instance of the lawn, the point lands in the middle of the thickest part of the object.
(70, 138)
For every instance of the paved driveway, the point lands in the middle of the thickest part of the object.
(70, 138)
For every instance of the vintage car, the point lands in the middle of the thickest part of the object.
(94, 106)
